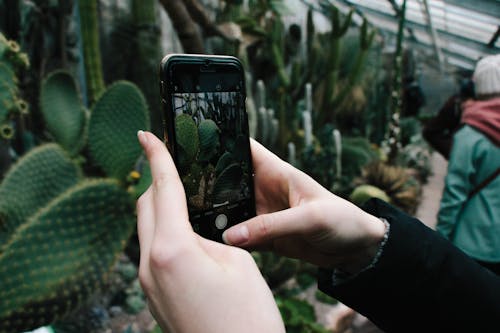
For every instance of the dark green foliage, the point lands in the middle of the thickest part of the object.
(116, 117)
(324, 298)
(38, 177)
(276, 269)
(62, 254)
(299, 316)
(356, 153)
(62, 111)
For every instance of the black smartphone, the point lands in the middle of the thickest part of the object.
(206, 130)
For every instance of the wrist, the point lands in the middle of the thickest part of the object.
(367, 254)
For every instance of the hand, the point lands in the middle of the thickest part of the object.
(298, 218)
(193, 284)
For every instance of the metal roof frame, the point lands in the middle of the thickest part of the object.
(457, 32)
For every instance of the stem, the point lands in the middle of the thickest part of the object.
(89, 25)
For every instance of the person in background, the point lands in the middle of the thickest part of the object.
(469, 213)
(386, 265)
(439, 130)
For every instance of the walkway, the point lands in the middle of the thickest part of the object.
(432, 191)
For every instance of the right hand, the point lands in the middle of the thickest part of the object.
(298, 218)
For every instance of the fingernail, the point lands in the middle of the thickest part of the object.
(236, 235)
(142, 137)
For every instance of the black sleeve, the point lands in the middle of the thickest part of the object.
(421, 283)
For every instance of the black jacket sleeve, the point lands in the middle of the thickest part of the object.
(421, 283)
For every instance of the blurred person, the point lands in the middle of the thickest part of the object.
(469, 213)
(386, 265)
(439, 130)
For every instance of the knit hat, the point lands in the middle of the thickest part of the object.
(487, 75)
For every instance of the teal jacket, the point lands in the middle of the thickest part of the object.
(474, 225)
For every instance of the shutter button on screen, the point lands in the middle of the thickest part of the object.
(221, 221)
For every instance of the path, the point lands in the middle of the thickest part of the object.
(432, 191)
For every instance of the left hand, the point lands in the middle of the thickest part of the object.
(194, 284)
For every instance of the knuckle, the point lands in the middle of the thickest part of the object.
(161, 180)
(164, 258)
(263, 225)
(144, 278)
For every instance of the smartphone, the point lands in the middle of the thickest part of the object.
(206, 131)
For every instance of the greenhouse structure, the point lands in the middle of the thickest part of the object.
(312, 166)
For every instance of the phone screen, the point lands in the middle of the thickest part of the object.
(212, 150)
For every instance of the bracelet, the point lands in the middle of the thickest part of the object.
(339, 276)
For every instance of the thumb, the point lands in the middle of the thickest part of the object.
(263, 229)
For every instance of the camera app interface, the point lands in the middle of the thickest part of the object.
(212, 149)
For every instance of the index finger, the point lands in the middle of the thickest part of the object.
(171, 214)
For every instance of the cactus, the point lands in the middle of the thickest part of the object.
(208, 133)
(11, 62)
(91, 50)
(62, 254)
(396, 182)
(226, 182)
(339, 29)
(393, 135)
(363, 193)
(64, 116)
(115, 119)
(188, 142)
(21, 195)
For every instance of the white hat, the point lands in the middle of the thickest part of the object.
(487, 75)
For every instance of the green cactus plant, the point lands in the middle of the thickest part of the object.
(60, 105)
(35, 179)
(116, 149)
(12, 60)
(62, 254)
(80, 226)
(188, 142)
(89, 25)
(208, 132)
(226, 182)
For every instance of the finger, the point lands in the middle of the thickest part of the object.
(261, 230)
(262, 156)
(170, 207)
(145, 223)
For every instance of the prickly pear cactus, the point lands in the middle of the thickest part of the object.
(61, 255)
(62, 110)
(37, 178)
(188, 142)
(115, 119)
(11, 61)
(208, 132)
(226, 182)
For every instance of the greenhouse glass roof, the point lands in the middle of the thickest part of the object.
(452, 32)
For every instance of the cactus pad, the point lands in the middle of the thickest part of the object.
(209, 139)
(226, 183)
(115, 119)
(62, 110)
(38, 177)
(63, 254)
(187, 138)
